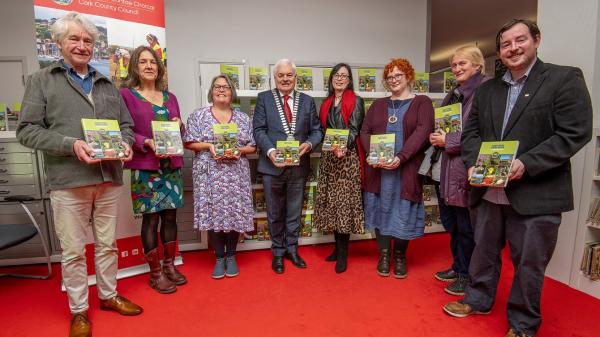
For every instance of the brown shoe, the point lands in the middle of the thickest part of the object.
(169, 264)
(158, 280)
(121, 305)
(80, 325)
(460, 309)
(511, 333)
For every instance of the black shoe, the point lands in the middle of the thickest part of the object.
(334, 255)
(400, 269)
(383, 266)
(296, 260)
(448, 275)
(342, 250)
(277, 264)
(457, 288)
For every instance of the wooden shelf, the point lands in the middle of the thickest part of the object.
(263, 215)
(591, 225)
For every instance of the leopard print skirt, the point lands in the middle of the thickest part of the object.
(338, 205)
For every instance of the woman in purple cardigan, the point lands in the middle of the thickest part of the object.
(393, 193)
(156, 183)
(468, 66)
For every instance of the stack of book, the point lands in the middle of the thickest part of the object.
(590, 263)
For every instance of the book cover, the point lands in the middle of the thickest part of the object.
(493, 163)
(309, 198)
(449, 81)
(326, 73)
(448, 118)
(288, 152)
(368, 103)
(225, 142)
(262, 230)
(335, 139)
(104, 137)
(257, 77)
(3, 117)
(304, 79)
(381, 150)
(307, 228)
(421, 83)
(259, 201)
(252, 107)
(167, 138)
(366, 79)
(233, 72)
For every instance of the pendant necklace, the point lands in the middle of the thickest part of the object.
(393, 119)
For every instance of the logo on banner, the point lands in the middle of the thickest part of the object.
(63, 2)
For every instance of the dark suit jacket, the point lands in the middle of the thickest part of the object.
(268, 130)
(552, 120)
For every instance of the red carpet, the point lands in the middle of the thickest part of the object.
(311, 302)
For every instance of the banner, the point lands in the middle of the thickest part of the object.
(123, 25)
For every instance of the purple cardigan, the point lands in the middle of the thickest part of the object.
(142, 115)
(417, 124)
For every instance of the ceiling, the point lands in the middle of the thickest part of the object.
(455, 23)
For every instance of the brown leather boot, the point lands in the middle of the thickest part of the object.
(169, 264)
(158, 280)
(80, 325)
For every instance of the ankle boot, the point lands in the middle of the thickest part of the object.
(334, 255)
(383, 266)
(169, 264)
(400, 269)
(342, 253)
(158, 280)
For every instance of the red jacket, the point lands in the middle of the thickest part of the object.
(417, 125)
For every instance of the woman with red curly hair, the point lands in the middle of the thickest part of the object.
(393, 192)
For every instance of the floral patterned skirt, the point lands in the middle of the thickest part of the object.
(154, 191)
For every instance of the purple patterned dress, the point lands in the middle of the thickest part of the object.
(222, 189)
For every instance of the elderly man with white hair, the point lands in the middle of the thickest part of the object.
(81, 187)
(285, 114)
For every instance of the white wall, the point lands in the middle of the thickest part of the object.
(263, 31)
(17, 33)
(570, 36)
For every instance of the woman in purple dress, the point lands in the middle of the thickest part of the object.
(222, 186)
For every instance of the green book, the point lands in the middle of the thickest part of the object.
(3, 117)
(421, 83)
(225, 140)
(304, 79)
(104, 137)
(381, 150)
(167, 138)
(449, 81)
(257, 77)
(366, 79)
(449, 118)
(494, 162)
(326, 73)
(233, 72)
(288, 152)
(335, 139)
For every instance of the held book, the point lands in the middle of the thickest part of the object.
(226, 137)
(448, 118)
(381, 150)
(366, 79)
(104, 137)
(421, 83)
(288, 152)
(335, 139)
(494, 163)
(167, 138)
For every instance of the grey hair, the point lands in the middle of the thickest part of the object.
(229, 83)
(283, 62)
(60, 28)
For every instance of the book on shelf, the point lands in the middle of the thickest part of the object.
(304, 79)
(381, 150)
(432, 215)
(167, 138)
(309, 198)
(590, 261)
(307, 228)
(233, 72)
(257, 78)
(326, 73)
(429, 193)
(259, 201)
(225, 140)
(104, 138)
(262, 230)
(421, 83)
(368, 103)
(313, 175)
(493, 163)
(288, 152)
(594, 212)
(448, 118)
(335, 139)
(252, 107)
(449, 81)
(366, 79)
(3, 117)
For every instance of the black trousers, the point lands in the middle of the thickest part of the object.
(532, 240)
(284, 196)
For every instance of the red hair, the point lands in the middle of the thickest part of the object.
(403, 65)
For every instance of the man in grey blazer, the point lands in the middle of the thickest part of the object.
(285, 114)
(546, 108)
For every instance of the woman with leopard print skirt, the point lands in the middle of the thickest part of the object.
(338, 205)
